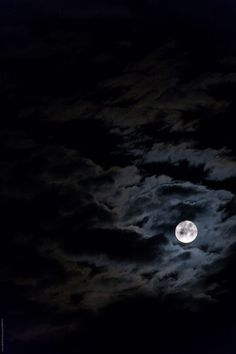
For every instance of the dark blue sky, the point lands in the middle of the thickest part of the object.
(121, 8)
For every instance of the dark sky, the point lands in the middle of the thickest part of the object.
(217, 13)
(117, 123)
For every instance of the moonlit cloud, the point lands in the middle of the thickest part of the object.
(104, 201)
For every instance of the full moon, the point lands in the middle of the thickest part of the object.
(186, 231)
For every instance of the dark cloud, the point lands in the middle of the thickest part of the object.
(118, 244)
(111, 200)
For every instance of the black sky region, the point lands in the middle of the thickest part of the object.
(117, 123)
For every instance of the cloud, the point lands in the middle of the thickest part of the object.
(105, 184)
(131, 233)
(217, 164)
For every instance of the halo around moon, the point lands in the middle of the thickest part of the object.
(186, 231)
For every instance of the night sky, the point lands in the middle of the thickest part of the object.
(117, 123)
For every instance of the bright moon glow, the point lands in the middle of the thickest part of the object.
(186, 231)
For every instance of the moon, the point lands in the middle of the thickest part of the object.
(186, 231)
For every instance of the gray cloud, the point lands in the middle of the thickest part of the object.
(105, 218)
(141, 209)
(217, 163)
